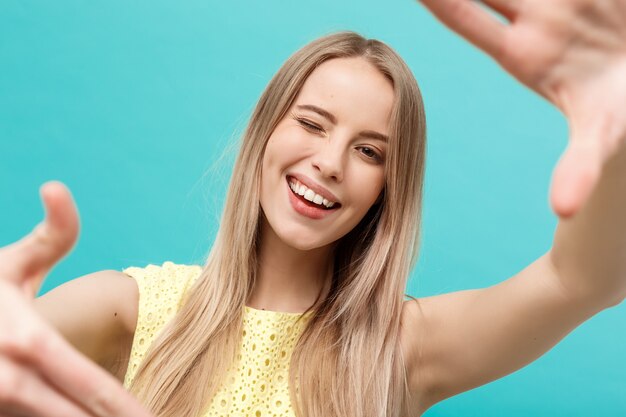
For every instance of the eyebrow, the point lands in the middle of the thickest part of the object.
(326, 114)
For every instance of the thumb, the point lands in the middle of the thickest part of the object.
(26, 262)
(575, 176)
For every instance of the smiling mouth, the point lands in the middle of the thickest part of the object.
(311, 203)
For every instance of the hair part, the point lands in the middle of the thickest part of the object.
(348, 360)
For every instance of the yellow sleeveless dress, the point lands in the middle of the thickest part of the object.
(256, 386)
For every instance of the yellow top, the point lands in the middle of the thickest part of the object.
(257, 385)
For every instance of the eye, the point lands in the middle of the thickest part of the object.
(370, 153)
(308, 125)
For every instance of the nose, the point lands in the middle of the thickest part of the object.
(329, 159)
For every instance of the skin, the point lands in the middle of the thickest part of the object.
(71, 384)
(295, 250)
(569, 51)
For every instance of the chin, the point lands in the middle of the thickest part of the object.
(304, 243)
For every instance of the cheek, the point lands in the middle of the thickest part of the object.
(373, 183)
(366, 191)
(273, 156)
(283, 146)
(374, 193)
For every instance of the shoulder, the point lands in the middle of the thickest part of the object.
(427, 336)
(92, 311)
(106, 293)
(161, 291)
(168, 273)
(412, 333)
(164, 284)
(410, 324)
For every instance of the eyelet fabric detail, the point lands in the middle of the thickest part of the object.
(256, 385)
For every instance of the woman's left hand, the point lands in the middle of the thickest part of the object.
(573, 53)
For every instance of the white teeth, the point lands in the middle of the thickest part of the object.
(309, 194)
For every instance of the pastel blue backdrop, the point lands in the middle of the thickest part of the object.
(133, 103)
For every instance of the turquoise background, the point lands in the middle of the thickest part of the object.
(132, 104)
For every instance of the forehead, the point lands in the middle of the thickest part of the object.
(353, 90)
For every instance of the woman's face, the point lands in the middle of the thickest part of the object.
(331, 147)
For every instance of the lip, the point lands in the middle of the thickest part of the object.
(309, 183)
(306, 210)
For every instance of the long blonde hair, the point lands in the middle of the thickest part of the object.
(347, 361)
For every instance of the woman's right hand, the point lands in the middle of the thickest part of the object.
(42, 375)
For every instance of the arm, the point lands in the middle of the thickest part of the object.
(589, 250)
(97, 314)
(459, 341)
(515, 322)
(572, 53)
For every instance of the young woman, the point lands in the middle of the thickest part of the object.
(299, 309)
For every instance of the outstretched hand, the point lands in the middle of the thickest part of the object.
(41, 374)
(573, 53)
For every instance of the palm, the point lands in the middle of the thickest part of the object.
(573, 53)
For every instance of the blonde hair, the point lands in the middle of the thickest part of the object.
(347, 361)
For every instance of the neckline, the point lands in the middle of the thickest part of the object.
(277, 313)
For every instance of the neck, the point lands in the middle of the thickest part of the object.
(289, 279)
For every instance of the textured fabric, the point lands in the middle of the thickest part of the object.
(257, 384)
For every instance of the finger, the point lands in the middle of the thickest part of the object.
(469, 20)
(575, 177)
(61, 212)
(76, 376)
(507, 8)
(27, 261)
(24, 393)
